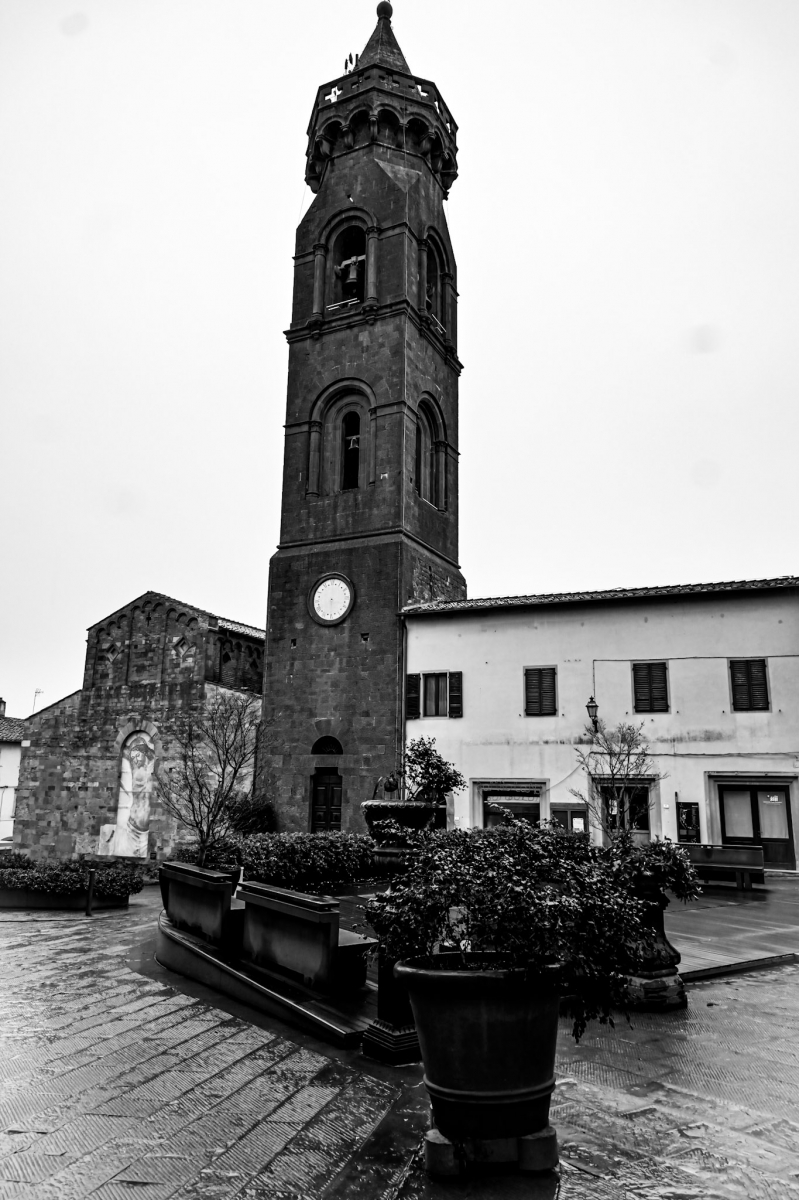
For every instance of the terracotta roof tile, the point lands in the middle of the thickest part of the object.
(534, 601)
(12, 729)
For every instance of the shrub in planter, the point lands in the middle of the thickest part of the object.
(302, 862)
(427, 778)
(492, 927)
(115, 881)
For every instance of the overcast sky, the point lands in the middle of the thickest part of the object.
(626, 223)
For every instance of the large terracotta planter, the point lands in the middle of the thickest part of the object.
(488, 1040)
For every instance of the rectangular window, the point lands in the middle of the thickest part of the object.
(436, 695)
(749, 684)
(540, 695)
(650, 687)
(627, 807)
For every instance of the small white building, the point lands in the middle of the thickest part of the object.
(12, 732)
(711, 670)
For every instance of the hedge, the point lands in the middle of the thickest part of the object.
(114, 881)
(303, 862)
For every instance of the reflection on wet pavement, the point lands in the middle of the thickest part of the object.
(116, 1084)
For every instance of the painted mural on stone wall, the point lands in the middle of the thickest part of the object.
(130, 833)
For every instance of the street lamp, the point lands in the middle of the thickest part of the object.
(592, 708)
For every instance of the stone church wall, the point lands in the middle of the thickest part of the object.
(93, 757)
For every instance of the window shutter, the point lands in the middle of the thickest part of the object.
(650, 687)
(749, 684)
(456, 693)
(413, 688)
(539, 691)
(642, 691)
(658, 687)
(758, 684)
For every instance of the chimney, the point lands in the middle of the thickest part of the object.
(2, 708)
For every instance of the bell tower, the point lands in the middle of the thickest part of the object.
(370, 476)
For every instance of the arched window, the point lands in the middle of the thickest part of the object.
(426, 461)
(435, 284)
(349, 265)
(350, 451)
(326, 745)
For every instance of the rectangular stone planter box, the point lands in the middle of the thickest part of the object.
(27, 898)
(297, 936)
(197, 900)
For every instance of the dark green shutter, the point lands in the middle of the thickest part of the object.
(456, 693)
(540, 699)
(749, 684)
(650, 687)
(413, 688)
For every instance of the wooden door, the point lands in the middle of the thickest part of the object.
(325, 801)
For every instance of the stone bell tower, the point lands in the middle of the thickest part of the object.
(370, 475)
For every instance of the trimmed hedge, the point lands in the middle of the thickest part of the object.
(303, 862)
(114, 881)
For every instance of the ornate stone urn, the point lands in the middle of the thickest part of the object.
(656, 983)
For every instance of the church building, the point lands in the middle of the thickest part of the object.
(370, 477)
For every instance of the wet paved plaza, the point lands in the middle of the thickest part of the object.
(120, 1081)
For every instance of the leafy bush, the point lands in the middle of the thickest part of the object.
(530, 897)
(303, 862)
(663, 864)
(113, 881)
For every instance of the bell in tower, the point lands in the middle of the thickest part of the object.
(370, 479)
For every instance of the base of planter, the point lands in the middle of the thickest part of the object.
(25, 898)
(393, 1044)
(537, 1152)
(656, 992)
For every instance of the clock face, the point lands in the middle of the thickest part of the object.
(331, 599)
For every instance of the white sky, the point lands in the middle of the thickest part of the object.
(626, 224)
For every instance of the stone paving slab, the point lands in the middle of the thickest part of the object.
(120, 1081)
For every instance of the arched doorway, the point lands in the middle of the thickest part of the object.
(325, 800)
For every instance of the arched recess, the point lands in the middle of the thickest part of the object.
(332, 424)
(139, 752)
(430, 467)
(327, 745)
(345, 262)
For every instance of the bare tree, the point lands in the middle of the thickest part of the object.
(619, 767)
(214, 772)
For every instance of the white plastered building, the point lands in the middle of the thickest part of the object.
(711, 670)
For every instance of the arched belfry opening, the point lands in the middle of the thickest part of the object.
(349, 265)
(350, 451)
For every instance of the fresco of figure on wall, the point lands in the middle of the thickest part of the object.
(129, 835)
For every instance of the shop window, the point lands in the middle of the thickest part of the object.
(626, 807)
(650, 687)
(540, 691)
(749, 684)
(350, 451)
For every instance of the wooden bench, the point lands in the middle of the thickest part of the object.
(742, 865)
(297, 937)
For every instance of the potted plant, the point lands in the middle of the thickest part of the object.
(495, 931)
(415, 796)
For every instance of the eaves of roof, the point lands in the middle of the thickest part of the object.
(433, 607)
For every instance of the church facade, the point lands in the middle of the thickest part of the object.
(370, 480)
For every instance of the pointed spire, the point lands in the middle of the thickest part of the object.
(382, 49)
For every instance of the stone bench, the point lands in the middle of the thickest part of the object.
(197, 900)
(742, 865)
(297, 937)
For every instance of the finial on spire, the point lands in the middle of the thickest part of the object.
(384, 9)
